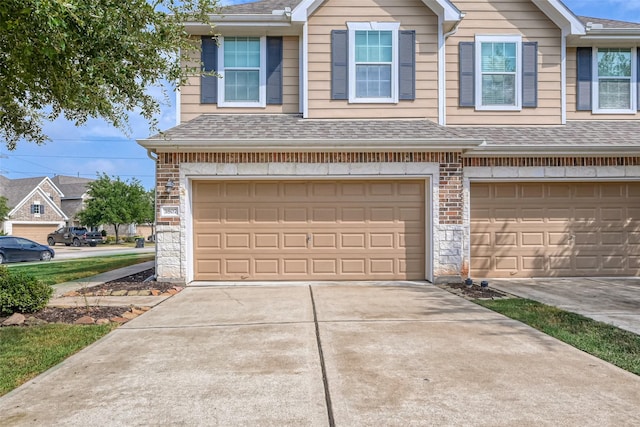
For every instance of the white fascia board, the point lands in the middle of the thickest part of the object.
(48, 180)
(443, 8)
(310, 145)
(305, 8)
(561, 16)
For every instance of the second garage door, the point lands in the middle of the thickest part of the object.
(309, 230)
(555, 229)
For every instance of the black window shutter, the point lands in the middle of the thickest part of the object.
(530, 74)
(42, 209)
(209, 84)
(339, 64)
(33, 208)
(274, 70)
(466, 51)
(407, 64)
(584, 78)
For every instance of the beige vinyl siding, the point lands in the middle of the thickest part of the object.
(508, 17)
(572, 114)
(190, 93)
(412, 15)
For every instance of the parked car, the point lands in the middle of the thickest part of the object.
(18, 249)
(76, 236)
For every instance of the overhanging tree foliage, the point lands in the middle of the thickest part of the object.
(116, 202)
(84, 58)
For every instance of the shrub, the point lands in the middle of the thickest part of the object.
(22, 293)
(110, 239)
(104, 233)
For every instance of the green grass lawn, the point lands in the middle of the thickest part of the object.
(55, 272)
(614, 345)
(27, 352)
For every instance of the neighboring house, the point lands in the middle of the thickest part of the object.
(74, 191)
(407, 139)
(35, 207)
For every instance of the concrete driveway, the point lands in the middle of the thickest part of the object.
(615, 301)
(393, 354)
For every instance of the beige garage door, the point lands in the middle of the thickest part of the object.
(555, 229)
(36, 232)
(320, 230)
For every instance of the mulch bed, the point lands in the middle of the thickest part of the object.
(474, 291)
(135, 282)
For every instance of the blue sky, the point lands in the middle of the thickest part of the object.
(98, 147)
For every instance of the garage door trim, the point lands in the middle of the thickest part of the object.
(428, 207)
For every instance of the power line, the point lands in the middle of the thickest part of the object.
(77, 157)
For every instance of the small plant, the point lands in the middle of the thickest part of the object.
(104, 233)
(21, 292)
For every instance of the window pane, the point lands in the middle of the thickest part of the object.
(242, 85)
(498, 57)
(373, 81)
(374, 46)
(242, 52)
(498, 89)
(614, 62)
(614, 94)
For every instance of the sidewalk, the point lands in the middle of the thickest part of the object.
(62, 288)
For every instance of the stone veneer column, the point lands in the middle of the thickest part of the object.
(450, 263)
(170, 259)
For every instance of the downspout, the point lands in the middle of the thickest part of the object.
(563, 76)
(442, 75)
(150, 154)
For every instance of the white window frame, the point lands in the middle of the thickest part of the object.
(262, 102)
(373, 26)
(595, 93)
(479, 39)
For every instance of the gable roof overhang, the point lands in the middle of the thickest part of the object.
(443, 8)
(562, 16)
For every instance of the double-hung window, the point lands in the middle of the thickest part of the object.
(242, 67)
(373, 62)
(498, 72)
(614, 77)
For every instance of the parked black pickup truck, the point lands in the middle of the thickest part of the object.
(76, 236)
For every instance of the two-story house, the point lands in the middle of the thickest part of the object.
(403, 139)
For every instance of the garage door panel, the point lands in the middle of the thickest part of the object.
(35, 232)
(577, 229)
(303, 230)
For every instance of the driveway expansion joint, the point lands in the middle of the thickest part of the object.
(325, 379)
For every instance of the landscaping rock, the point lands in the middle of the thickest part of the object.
(34, 321)
(103, 322)
(16, 319)
(118, 320)
(129, 315)
(71, 294)
(85, 320)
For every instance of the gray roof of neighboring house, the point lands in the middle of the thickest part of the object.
(260, 7)
(241, 128)
(72, 187)
(71, 207)
(17, 189)
(609, 23)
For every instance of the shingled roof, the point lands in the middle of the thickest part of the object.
(224, 130)
(609, 23)
(264, 7)
(17, 189)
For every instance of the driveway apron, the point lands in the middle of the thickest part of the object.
(392, 354)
